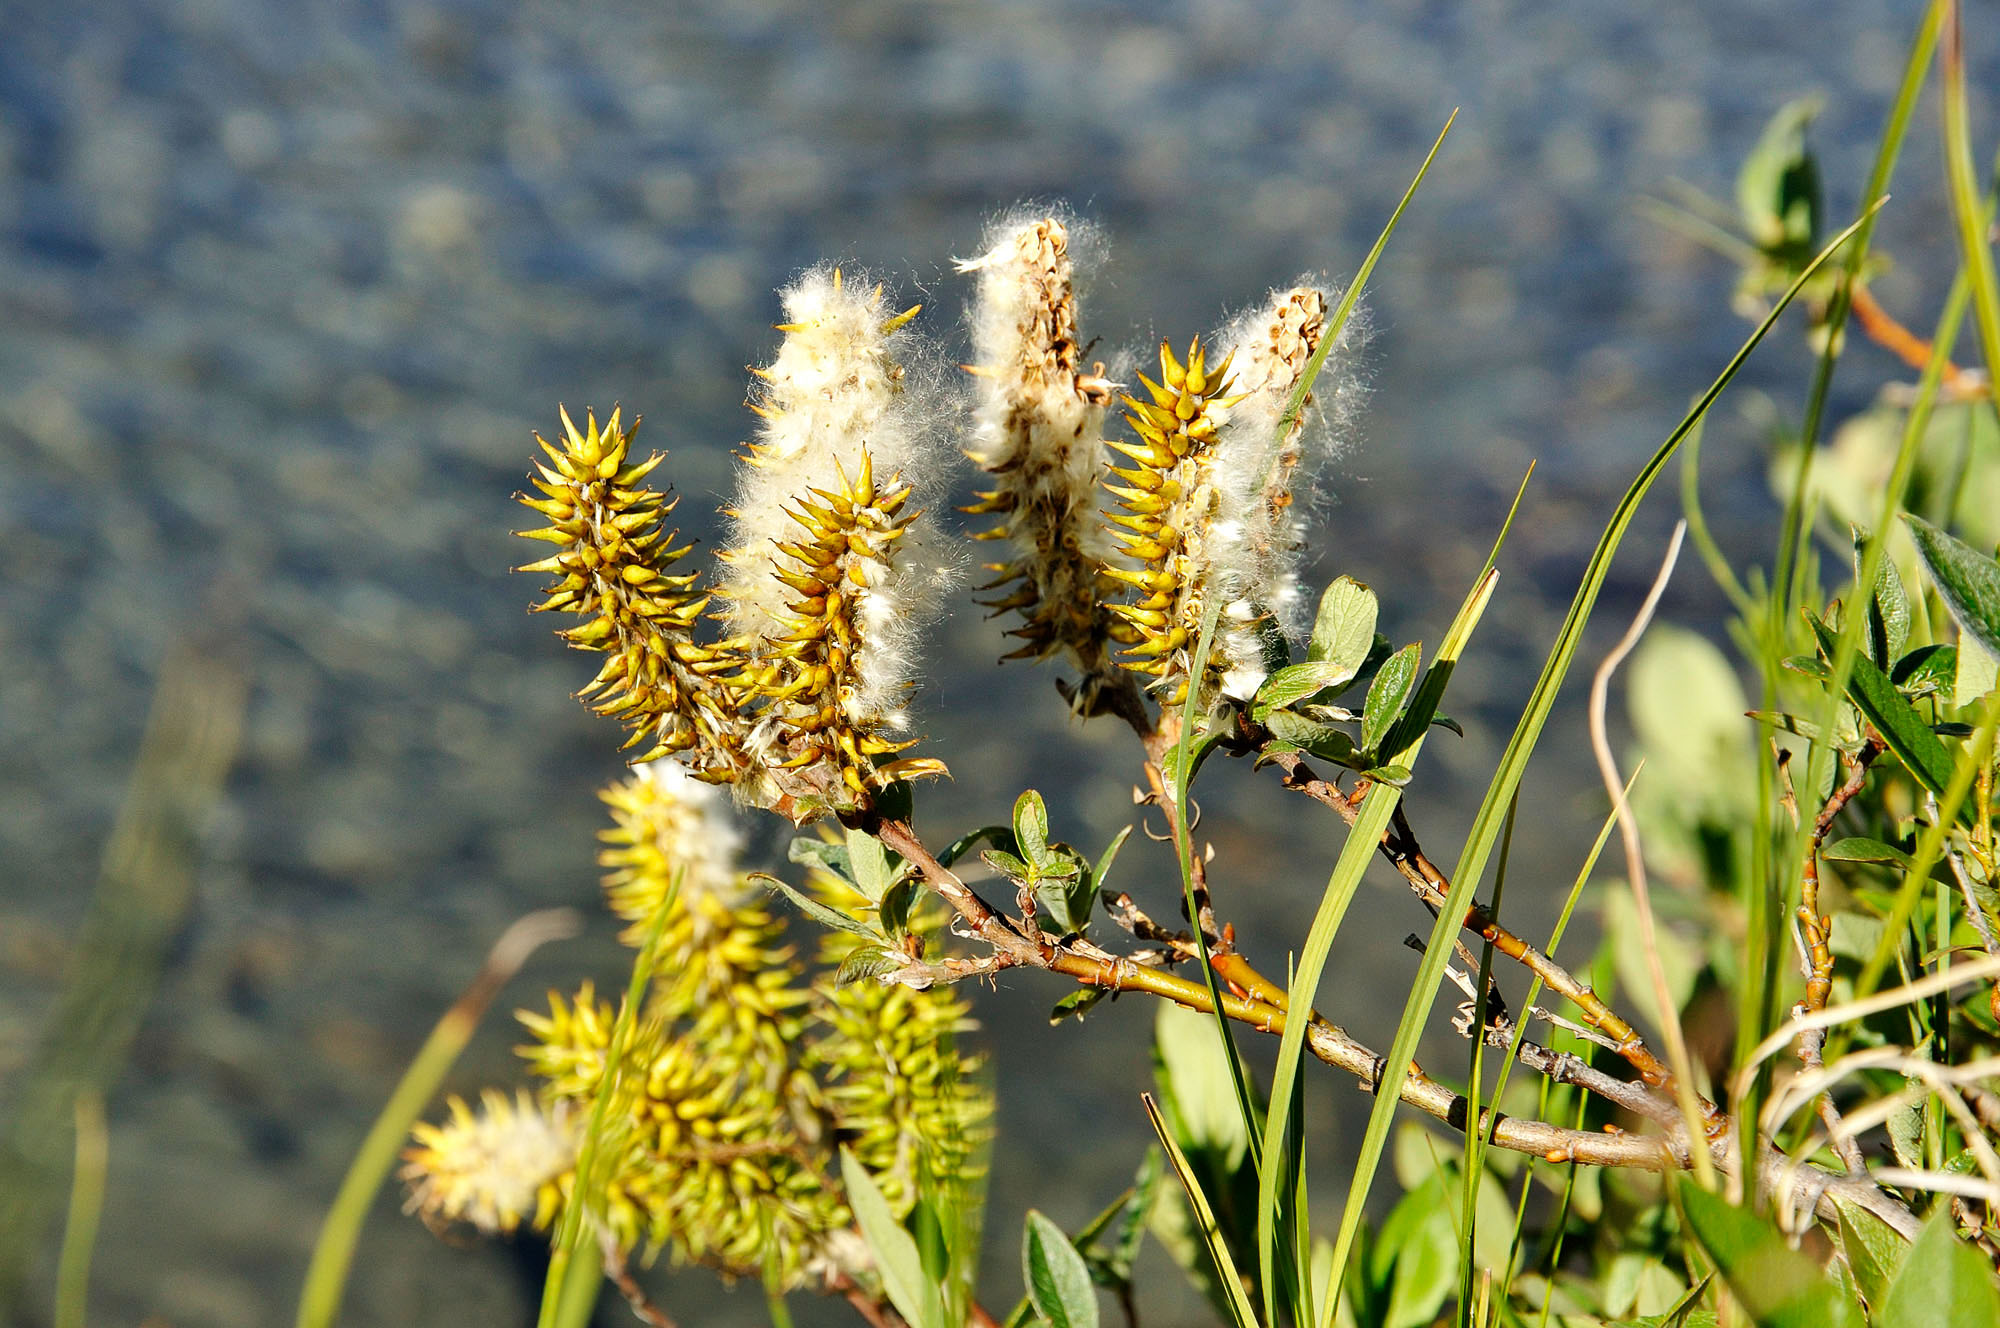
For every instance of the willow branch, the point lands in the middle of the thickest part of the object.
(1406, 855)
(1886, 331)
(1815, 938)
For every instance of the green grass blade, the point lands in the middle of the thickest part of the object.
(1967, 210)
(86, 1206)
(1242, 1315)
(333, 1251)
(1299, 1278)
(1944, 338)
(574, 1250)
(1764, 906)
(1513, 764)
(1362, 841)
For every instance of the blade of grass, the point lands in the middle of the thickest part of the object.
(86, 1206)
(333, 1250)
(1773, 874)
(1299, 1276)
(1362, 842)
(1507, 1062)
(144, 888)
(1241, 1312)
(1513, 764)
(1967, 210)
(1471, 1161)
(1943, 340)
(1978, 751)
(563, 1304)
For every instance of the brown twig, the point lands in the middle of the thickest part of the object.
(1884, 330)
(1335, 1047)
(989, 926)
(1816, 952)
(628, 1286)
(1400, 847)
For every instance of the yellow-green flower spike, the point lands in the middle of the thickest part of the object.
(818, 725)
(611, 568)
(1168, 499)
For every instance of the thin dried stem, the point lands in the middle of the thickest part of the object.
(1814, 936)
(1401, 849)
(1697, 1110)
(620, 1273)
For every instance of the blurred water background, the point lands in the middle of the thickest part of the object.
(283, 289)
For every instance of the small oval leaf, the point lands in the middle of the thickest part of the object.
(1344, 627)
(1387, 694)
(1058, 1280)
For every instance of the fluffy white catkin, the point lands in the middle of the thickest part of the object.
(1260, 477)
(852, 390)
(1037, 430)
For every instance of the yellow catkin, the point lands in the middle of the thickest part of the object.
(813, 729)
(611, 567)
(1168, 500)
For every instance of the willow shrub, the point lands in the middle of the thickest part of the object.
(1815, 854)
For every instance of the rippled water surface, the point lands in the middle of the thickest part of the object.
(283, 289)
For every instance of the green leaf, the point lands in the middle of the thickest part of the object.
(1792, 724)
(867, 962)
(1680, 958)
(874, 865)
(1007, 864)
(1058, 1281)
(894, 910)
(1076, 1003)
(1888, 607)
(1386, 695)
(812, 851)
(1131, 1230)
(1031, 828)
(1777, 188)
(1297, 683)
(1227, 1284)
(1901, 727)
(932, 1247)
(1778, 1286)
(1925, 669)
(1189, 1062)
(1107, 857)
(1968, 580)
(915, 1296)
(1810, 665)
(1000, 836)
(1417, 1255)
(1344, 628)
(1874, 1251)
(1944, 1281)
(1198, 747)
(1311, 736)
(1978, 672)
(1859, 849)
(817, 911)
(1064, 891)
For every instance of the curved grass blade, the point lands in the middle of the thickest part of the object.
(573, 1254)
(1513, 764)
(1300, 1278)
(1359, 850)
(86, 1206)
(1240, 1312)
(333, 1251)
